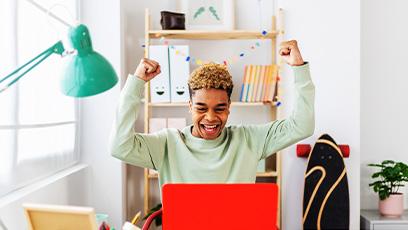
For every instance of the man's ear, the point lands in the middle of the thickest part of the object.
(190, 105)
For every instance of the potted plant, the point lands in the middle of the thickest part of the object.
(390, 177)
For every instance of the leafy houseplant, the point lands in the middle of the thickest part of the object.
(390, 178)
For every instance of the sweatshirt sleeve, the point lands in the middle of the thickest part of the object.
(269, 138)
(144, 150)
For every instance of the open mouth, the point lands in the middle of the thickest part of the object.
(160, 92)
(180, 92)
(210, 129)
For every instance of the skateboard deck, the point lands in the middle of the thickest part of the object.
(326, 202)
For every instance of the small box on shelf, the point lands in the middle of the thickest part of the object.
(157, 124)
(176, 122)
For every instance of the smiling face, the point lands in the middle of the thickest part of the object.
(210, 110)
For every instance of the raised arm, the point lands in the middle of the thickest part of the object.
(144, 150)
(279, 134)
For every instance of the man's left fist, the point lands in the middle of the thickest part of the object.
(290, 53)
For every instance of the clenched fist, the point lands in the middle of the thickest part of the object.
(147, 69)
(290, 53)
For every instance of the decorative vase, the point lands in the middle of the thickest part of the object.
(393, 205)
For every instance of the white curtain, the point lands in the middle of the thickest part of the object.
(38, 125)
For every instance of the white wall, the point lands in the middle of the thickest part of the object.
(329, 36)
(384, 109)
(103, 19)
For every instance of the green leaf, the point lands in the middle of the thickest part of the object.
(388, 162)
(375, 165)
(375, 175)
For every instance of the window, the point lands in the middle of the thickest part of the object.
(38, 124)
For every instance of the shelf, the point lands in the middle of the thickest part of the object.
(210, 35)
(238, 104)
(152, 37)
(264, 174)
(267, 174)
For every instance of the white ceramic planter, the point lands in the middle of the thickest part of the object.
(392, 206)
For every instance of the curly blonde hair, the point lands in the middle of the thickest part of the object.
(209, 76)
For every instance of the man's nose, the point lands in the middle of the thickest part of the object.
(210, 115)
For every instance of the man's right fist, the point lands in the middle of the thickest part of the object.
(147, 69)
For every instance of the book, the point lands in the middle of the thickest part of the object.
(261, 84)
(256, 83)
(272, 86)
(268, 83)
(244, 82)
(248, 83)
(265, 83)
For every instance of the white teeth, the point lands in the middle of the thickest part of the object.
(210, 126)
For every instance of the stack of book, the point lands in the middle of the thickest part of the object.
(259, 83)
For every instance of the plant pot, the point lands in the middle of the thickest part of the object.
(392, 206)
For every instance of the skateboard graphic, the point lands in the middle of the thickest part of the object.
(326, 202)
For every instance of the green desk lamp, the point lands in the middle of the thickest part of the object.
(87, 73)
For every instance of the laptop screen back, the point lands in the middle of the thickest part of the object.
(219, 206)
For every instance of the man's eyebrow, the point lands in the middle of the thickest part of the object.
(203, 104)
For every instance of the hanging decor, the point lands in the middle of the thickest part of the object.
(226, 61)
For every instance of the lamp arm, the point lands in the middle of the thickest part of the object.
(57, 48)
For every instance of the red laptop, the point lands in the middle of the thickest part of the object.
(220, 206)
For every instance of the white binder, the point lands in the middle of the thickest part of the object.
(160, 85)
(179, 73)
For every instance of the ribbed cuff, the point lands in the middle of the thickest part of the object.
(134, 86)
(301, 73)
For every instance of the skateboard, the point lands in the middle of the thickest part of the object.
(326, 202)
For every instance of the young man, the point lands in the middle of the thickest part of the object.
(207, 151)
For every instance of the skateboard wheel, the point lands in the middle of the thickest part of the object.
(345, 150)
(303, 150)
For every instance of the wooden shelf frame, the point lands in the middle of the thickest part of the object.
(272, 35)
(211, 35)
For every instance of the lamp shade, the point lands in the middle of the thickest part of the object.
(87, 73)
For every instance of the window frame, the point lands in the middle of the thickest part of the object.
(16, 126)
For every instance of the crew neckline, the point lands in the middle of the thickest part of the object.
(201, 142)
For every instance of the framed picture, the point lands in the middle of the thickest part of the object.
(208, 14)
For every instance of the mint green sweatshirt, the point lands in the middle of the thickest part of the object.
(180, 157)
